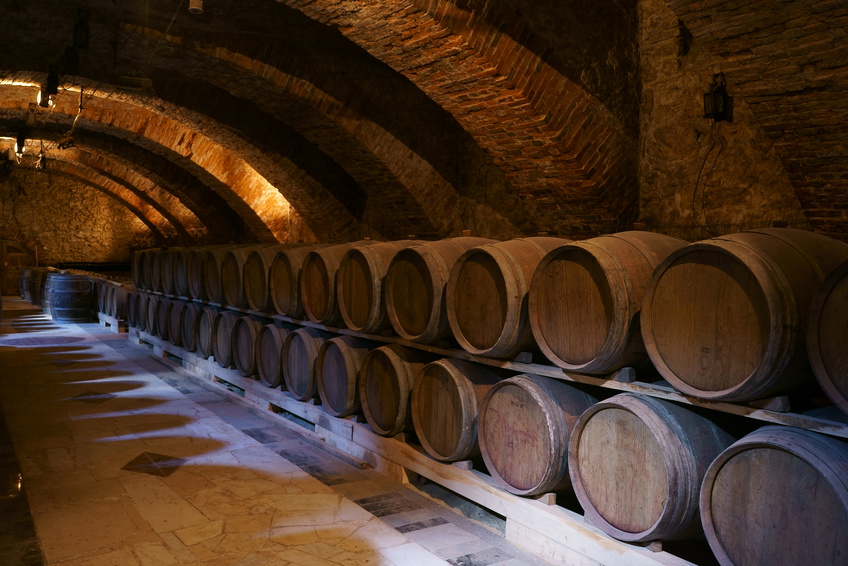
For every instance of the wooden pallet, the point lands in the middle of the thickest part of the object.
(116, 325)
(539, 526)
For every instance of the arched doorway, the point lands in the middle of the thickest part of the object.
(13, 256)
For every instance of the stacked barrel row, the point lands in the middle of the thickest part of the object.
(537, 434)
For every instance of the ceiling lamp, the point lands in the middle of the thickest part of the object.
(195, 6)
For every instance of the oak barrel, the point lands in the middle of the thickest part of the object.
(168, 275)
(117, 300)
(778, 496)
(137, 266)
(486, 296)
(163, 318)
(415, 287)
(359, 287)
(195, 265)
(213, 261)
(27, 283)
(318, 282)
(725, 318)
(300, 352)
(176, 316)
(585, 297)
(245, 336)
(191, 314)
(337, 371)
(141, 306)
(232, 274)
(385, 387)
(269, 352)
(827, 336)
(152, 314)
(205, 330)
(257, 268)
(446, 399)
(284, 281)
(70, 297)
(524, 425)
(222, 337)
(156, 265)
(132, 308)
(180, 266)
(636, 465)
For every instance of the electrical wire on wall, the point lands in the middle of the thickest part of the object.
(715, 139)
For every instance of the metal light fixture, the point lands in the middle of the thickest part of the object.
(20, 144)
(195, 6)
(718, 105)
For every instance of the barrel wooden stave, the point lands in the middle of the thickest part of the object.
(176, 317)
(245, 334)
(724, 318)
(487, 296)
(778, 496)
(191, 314)
(524, 426)
(637, 463)
(446, 399)
(385, 387)
(337, 370)
(222, 339)
(299, 355)
(205, 332)
(359, 288)
(270, 344)
(827, 336)
(585, 298)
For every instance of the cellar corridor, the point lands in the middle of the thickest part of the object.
(126, 462)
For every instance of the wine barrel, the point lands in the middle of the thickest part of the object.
(39, 276)
(176, 314)
(585, 297)
(385, 387)
(132, 305)
(99, 287)
(827, 336)
(446, 399)
(232, 274)
(45, 301)
(196, 271)
(524, 426)
(284, 280)
(486, 296)
(117, 301)
(70, 297)
(245, 335)
(257, 268)
(141, 306)
(724, 318)
(155, 264)
(269, 352)
(27, 284)
(205, 330)
(180, 268)
(137, 266)
(318, 282)
(359, 286)
(191, 316)
(163, 318)
(152, 314)
(415, 287)
(299, 355)
(213, 261)
(637, 463)
(778, 496)
(222, 337)
(337, 371)
(168, 274)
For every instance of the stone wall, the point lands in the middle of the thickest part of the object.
(67, 220)
(701, 178)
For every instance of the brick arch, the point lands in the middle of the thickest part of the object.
(166, 129)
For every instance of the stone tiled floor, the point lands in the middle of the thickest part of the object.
(124, 463)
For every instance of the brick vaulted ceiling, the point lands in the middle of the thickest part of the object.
(329, 120)
(332, 119)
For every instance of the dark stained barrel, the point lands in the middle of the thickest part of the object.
(232, 274)
(337, 370)
(827, 336)
(385, 387)
(245, 335)
(175, 322)
(70, 298)
(163, 318)
(269, 352)
(299, 355)
(284, 281)
(191, 314)
(222, 342)
(205, 330)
